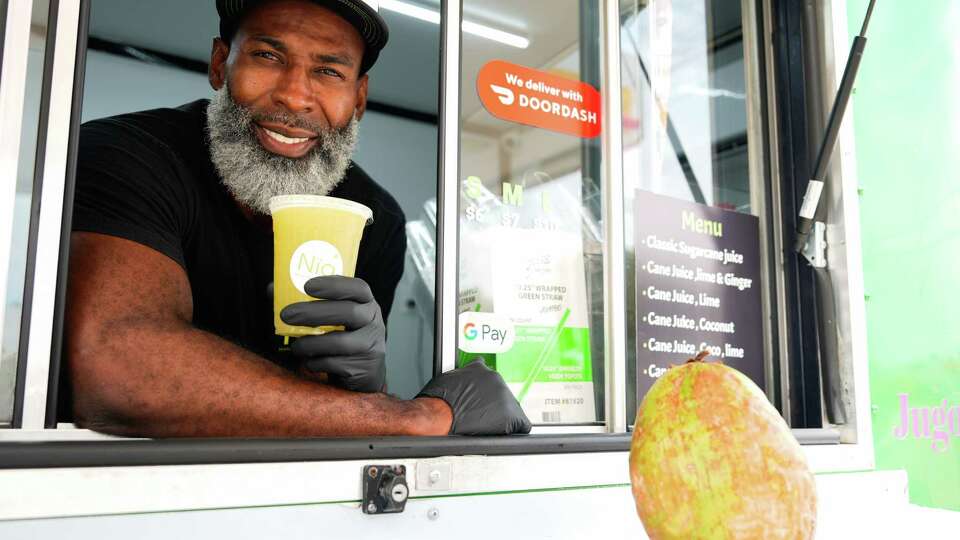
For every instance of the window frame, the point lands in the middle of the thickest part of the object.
(59, 167)
(448, 188)
(855, 451)
(794, 104)
(845, 198)
(42, 319)
(14, 52)
(613, 214)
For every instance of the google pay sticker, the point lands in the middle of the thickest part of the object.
(482, 333)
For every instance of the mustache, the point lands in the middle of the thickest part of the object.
(287, 119)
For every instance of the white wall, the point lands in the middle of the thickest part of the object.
(116, 85)
(399, 154)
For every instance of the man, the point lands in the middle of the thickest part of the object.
(169, 316)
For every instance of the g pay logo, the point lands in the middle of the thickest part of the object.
(505, 95)
(312, 259)
(485, 333)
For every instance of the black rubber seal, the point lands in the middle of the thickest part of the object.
(59, 310)
(126, 453)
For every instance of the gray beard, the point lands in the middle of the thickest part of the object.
(253, 174)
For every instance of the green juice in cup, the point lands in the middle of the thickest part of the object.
(312, 236)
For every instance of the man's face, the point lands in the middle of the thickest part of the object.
(289, 95)
(298, 59)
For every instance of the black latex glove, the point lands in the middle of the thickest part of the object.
(353, 358)
(481, 402)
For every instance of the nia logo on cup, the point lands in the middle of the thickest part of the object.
(312, 259)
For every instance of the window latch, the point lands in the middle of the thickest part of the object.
(385, 489)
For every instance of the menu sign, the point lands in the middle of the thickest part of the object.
(698, 287)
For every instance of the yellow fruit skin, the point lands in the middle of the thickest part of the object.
(712, 459)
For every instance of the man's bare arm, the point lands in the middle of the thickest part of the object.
(139, 366)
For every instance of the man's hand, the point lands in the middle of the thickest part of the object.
(353, 358)
(480, 400)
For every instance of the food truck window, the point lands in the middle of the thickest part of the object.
(531, 263)
(148, 55)
(17, 208)
(693, 214)
(530, 228)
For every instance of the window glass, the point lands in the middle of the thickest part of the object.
(530, 269)
(693, 260)
(17, 262)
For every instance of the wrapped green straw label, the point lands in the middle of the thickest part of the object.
(523, 310)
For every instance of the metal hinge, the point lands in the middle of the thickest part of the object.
(815, 251)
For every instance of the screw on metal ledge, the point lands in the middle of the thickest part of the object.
(372, 508)
(433, 514)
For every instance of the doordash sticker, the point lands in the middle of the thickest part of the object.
(535, 98)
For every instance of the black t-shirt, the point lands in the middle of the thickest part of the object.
(148, 177)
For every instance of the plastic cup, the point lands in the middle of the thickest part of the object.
(312, 236)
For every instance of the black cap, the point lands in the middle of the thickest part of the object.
(362, 14)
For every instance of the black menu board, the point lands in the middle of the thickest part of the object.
(698, 287)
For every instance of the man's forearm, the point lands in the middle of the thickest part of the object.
(182, 382)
